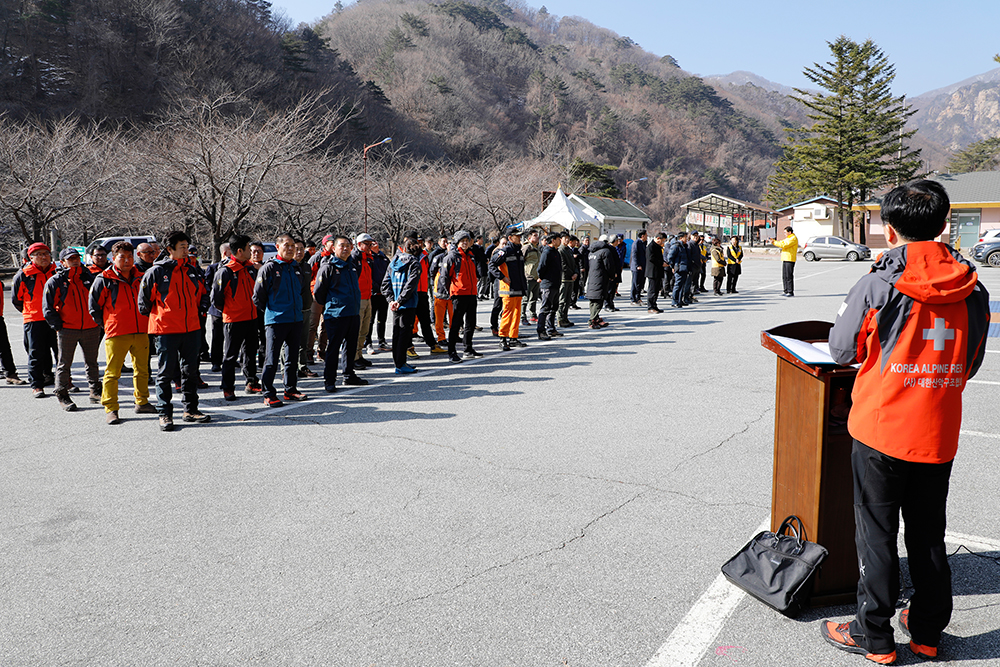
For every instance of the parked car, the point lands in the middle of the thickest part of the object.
(834, 247)
(989, 235)
(109, 241)
(988, 253)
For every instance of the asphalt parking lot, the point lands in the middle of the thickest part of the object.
(569, 503)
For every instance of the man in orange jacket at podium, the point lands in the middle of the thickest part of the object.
(917, 324)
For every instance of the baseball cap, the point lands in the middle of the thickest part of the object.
(363, 238)
(35, 247)
(68, 252)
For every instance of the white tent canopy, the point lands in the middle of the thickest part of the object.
(560, 211)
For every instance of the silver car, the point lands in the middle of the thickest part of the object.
(834, 247)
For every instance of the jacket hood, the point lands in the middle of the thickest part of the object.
(235, 265)
(927, 272)
(599, 245)
(111, 273)
(401, 259)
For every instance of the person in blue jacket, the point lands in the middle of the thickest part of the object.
(278, 294)
(677, 258)
(338, 291)
(400, 287)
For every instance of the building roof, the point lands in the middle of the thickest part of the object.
(976, 189)
(608, 207)
(808, 201)
(722, 205)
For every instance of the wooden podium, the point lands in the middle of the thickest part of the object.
(812, 457)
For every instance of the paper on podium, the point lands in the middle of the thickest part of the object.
(810, 353)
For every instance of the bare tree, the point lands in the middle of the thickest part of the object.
(503, 190)
(51, 170)
(217, 166)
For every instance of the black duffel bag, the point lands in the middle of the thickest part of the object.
(776, 568)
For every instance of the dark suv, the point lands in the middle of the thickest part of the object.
(987, 252)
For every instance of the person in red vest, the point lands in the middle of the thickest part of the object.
(6, 354)
(917, 325)
(462, 281)
(362, 258)
(27, 297)
(232, 295)
(114, 301)
(173, 295)
(65, 305)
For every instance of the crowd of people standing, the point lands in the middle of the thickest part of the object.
(333, 305)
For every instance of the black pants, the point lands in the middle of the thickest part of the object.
(6, 354)
(380, 309)
(424, 319)
(717, 281)
(178, 357)
(341, 331)
(215, 352)
(276, 335)
(463, 319)
(495, 314)
(788, 277)
(703, 273)
(732, 276)
(402, 334)
(668, 282)
(39, 338)
(609, 303)
(652, 292)
(680, 282)
(240, 343)
(637, 281)
(884, 486)
(547, 311)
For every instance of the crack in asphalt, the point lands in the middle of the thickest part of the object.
(745, 428)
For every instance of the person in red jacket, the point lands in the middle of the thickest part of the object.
(27, 297)
(114, 301)
(98, 260)
(64, 305)
(172, 294)
(917, 324)
(461, 281)
(232, 293)
(6, 354)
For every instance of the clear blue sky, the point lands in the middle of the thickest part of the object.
(932, 44)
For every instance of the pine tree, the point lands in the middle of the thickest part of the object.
(978, 156)
(857, 142)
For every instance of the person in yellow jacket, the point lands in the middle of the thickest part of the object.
(718, 265)
(789, 249)
(734, 261)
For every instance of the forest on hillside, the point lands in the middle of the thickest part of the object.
(219, 117)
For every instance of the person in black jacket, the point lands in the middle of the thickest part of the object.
(507, 266)
(603, 263)
(637, 264)
(549, 280)
(380, 306)
(677, 258)
(482, 260)
(654, 271)
(215, 323)
(617, 245)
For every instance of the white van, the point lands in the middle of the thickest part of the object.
(109, 241)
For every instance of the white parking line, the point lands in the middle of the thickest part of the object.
(980, 434)
(699, 627)
(980, 382)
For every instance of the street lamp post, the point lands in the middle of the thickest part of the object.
(628, 183)
(364, 174)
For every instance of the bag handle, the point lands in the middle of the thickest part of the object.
(799, 534)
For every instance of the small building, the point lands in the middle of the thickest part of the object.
(718, 215)
(975, 208)
(810, 218)
(611, 216)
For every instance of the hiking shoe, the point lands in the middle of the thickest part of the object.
(229, 396)
(95, 398)
(166, 423)
(383, 347)
(594, 325)
(542, 336)
(145, 409)
(177, 387)
(306, 373)
(555, 334)
(496, 333)
(202, 384)
(295, 395)
(533, 320)
(919, 650)
(112, 419)
(216, 369)
(362, 363)
(405, 370)
(454, 358)
(437, 349)
(472, 354)
(567, 323)
(38, 393)
(839, 636)
(272, 402)
(253, 388)
(412, 354)
(516, 342)
(330, 388)
(504, 346)
(65, 403)
(355, 381)
(197, 416)
(13, 379)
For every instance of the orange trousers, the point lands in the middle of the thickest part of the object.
(510, 318)
(442, 306)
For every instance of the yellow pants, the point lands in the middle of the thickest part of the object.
(510, 318)
(115, 350)
(441, 307)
